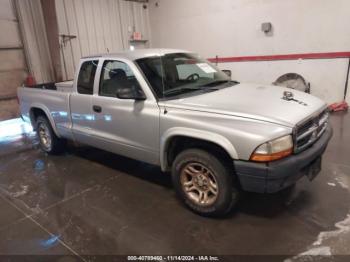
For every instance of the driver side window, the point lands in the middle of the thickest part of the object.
(116, 75)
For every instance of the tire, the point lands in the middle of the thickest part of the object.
(48, 140)
(194, 174)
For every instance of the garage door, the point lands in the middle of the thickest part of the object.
(12, 60)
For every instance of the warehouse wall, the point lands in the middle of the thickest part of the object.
(233, 28)
(32, 25)
(89, 27)
(23, 50)
(13, 65)
(97, 26)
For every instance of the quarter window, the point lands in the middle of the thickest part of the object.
(87, 77)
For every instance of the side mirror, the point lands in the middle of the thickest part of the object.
(227, 72)
(131, 93)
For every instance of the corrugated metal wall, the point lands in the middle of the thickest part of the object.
(97, 26)
(23, 49)
(13, 64)
(31, 20)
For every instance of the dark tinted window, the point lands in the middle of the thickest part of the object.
(116, 75)
(86, 77)
(179, 73)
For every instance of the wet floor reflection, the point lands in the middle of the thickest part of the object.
(100, 203)
(14, 129)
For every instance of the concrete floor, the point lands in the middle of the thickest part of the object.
(90, 202)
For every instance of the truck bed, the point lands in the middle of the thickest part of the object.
(52, 98)
(46, 86)
(65, 86)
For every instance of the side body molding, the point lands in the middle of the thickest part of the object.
(193, 133)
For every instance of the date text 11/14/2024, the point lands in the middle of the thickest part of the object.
(173, 258)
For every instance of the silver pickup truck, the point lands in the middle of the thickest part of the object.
(173, 109)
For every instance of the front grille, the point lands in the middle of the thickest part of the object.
(310, 131)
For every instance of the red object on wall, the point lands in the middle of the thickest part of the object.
(336, 107)
(30, 81)
(136, 36)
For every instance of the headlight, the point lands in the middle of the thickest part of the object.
(273, 150)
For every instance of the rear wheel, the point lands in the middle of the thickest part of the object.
(204, 183)
(49, 142)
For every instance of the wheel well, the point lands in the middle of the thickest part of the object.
(34, 114)
(181, 143)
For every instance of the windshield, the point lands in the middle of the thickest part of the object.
(181, 73)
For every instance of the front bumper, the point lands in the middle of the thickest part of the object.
(277, 175)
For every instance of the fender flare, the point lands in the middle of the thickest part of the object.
(215, 138)
(47, 113)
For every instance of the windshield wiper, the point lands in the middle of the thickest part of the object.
(179, 90)
(219, 82)
(202, 88)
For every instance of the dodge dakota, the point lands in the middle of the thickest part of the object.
(173, 109)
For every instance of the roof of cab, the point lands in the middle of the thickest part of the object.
(138, 53)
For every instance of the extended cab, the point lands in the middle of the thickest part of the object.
(173, 109)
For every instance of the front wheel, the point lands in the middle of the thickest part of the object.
(204, 183)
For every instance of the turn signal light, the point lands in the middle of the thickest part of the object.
(271, 157)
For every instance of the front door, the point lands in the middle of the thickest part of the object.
(125, 126)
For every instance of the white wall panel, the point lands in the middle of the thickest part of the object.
(11, 37)
(23, 48)
(6, 10)
(35, 40)
(100, 26)
(230, 28)
(13, 66)
(12, 60)
(233, 28)
(9, 81)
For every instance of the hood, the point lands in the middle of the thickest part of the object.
(254, 101)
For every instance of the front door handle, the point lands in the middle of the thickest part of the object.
(97, 109)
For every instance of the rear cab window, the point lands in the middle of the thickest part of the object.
(86, 77)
